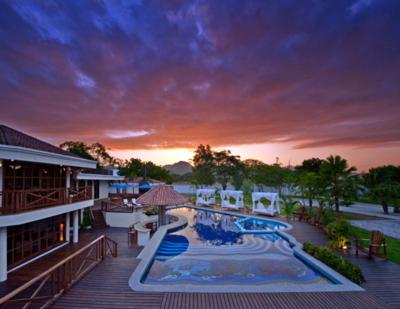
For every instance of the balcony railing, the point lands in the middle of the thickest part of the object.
(17, 201)
(81, 194)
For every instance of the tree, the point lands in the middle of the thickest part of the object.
(252, 170)
(351, 187)
(310, 185)
(96, 151)
(155, 171)
(227, 168)
(383, 185)
(310, 165)
(335, 172)
(262, 174)
(135, 167)
(203, 170)
(276, 176)
(99, 152)
(78, 148)
(385, 194)
(132, 168)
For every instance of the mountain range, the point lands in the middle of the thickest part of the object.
(179, 168)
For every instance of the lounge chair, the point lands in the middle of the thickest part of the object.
(375, 242)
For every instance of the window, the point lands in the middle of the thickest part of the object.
(29, 240)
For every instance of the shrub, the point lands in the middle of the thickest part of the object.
(327, 216)
(86, 219)
(151, 211)
(311, 212)
(339, 233)
(336, 262)
(290, 206)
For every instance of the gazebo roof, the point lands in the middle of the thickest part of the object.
(162, 195)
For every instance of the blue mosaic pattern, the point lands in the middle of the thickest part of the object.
(213, 250)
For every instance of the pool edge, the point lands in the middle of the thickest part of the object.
(341, 284)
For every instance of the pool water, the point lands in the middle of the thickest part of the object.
(254, 225)
(213, 250)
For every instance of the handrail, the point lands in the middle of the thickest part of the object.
(103, 241)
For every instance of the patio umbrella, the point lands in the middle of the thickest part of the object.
(162, 196)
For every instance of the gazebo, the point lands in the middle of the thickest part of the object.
(162, 196)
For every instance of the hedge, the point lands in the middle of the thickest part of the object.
(336, 262)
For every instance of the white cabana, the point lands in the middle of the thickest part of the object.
(205, 197)
(226, 196)
(271, 209)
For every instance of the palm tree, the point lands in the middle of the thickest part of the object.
(334, 171)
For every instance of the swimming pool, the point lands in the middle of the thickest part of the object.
(220, 251)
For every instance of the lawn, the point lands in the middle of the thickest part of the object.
(354, 216)
(393, 245)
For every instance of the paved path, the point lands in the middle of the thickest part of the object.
(372, 210)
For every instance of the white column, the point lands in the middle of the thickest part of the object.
(75, 238)
(68, 227)
(68, 182)
(3, 254)
(68, 178)
(1, 183)
(82, 210)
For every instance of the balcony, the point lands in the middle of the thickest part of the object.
(28, 200)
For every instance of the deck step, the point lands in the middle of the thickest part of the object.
(97, 220)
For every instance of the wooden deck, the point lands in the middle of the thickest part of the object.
(107, 285)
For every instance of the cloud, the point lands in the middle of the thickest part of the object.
(84, 81)
(118, 134)
(188, 72)
(359, 5)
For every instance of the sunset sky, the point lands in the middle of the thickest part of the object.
(153, 79)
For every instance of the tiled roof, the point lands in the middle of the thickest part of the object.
(11, 137)
(162, 195)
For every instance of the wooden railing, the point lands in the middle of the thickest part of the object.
(45, 288)
(15, 201)
(82, 194)
(111, 206)
(23, 200)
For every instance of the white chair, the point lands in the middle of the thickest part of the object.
(272, 209)
(226, 195)
(134, 202)
(125, 202)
